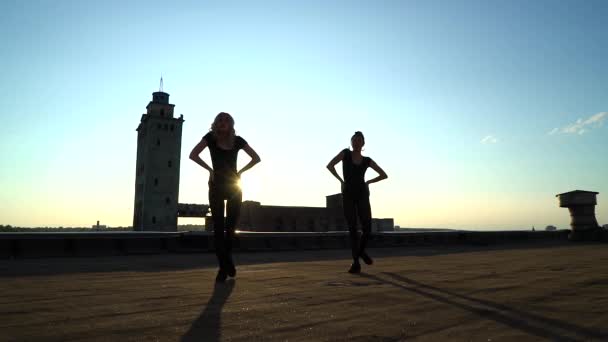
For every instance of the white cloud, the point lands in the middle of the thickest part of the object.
(489, 139)
(581, 126)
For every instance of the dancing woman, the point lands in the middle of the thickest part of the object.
(355, 196)
(224, 146)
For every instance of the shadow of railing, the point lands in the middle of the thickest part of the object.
(177, 262)
(530, 323)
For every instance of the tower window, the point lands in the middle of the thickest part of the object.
(167, 200)
(153, 219)
(166, 127)
(170, 164)
(171, 128)
(157, 142)
(162, 112)
(155, 181)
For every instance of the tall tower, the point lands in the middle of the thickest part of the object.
(159, 142)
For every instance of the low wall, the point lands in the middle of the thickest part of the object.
(31, 245)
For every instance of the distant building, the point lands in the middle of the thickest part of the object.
(273, 218)
(159, 139)
(191, 227)
(98, 226)
(550, 228)
(383, 225)
(192, 210)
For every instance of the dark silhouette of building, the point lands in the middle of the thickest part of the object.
(274, 218)
(159, 139)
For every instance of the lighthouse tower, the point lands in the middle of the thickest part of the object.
(159, 141)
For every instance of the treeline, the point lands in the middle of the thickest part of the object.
(11, 229)
(402, 229)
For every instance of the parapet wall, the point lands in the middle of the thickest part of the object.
(32, 245)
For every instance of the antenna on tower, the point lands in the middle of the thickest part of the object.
(160, 88)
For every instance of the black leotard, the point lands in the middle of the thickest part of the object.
(224, 161)
(354, 175)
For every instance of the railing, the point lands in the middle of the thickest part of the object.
(66, 244)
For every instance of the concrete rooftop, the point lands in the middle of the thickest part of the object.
(556, 291)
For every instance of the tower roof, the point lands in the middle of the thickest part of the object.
(160, 97)
(579, 192)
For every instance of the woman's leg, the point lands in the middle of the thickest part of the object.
(365, 216)
(233, 212)
(216, 203)
(350, 215)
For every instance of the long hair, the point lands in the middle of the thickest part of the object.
(232, 132)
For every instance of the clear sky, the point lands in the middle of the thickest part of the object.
(479, 111)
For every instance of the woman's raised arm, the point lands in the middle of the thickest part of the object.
(255, 158)
(332, 166)
(381, 174)
(195, 154)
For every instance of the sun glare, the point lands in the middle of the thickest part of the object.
(251, 188)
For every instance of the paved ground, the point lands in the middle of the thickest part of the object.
(557, 292)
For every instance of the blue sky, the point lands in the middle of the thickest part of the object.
(479, 111)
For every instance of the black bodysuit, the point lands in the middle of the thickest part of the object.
(224, 161)
(224, 187)
(355, 198)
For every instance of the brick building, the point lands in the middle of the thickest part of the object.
(274, 218)
(159, 139)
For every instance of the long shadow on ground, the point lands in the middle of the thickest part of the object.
(174, 262)
(534, 324)
(208, 326)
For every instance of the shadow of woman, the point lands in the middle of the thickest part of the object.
(207, 327)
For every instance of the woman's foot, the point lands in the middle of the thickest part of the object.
(221, 276)
(355, 268)
(366, 258)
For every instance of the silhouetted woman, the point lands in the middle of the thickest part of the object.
(224, 146)
(355, 196)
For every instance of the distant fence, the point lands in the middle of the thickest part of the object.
(31, 245)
